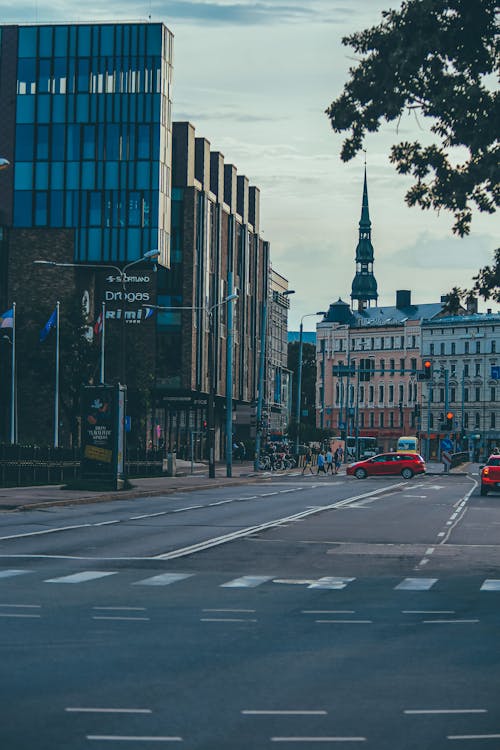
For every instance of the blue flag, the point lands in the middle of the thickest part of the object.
(7, 319)
(49, 325)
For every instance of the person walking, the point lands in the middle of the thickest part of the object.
(329, 461)
(307, 462)
(321, 463)
(339, 453)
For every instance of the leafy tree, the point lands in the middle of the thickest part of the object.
(435, 58)
(308, 386)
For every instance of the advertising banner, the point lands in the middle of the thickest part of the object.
(102, 434)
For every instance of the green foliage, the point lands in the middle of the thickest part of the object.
(437, 59)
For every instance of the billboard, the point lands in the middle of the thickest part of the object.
(103, 422)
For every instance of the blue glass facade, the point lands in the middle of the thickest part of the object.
(93, 136)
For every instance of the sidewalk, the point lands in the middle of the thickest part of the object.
(26, 498)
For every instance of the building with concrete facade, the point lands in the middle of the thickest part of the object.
(464, 351)
(279, 385)
(368, 357)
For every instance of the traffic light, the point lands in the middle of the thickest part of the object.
(204, 425)
(427, 371)
(449, 420)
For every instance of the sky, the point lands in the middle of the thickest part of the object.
(255, 78)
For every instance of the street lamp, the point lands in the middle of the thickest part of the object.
(13, 387)
(4, 163)
(299, 375)
(210, 310)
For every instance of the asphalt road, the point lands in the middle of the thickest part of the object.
(297, 612)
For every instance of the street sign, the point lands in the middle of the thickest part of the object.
(495, 372)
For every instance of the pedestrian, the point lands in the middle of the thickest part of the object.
(242, 451)
(307, 462)
(329, 461)
(321, 463)
(338, 458)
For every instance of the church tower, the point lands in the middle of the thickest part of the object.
(364, 285)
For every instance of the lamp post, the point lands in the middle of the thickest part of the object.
(4, 163)
(299, 376)
(211, 372)
(13, 385)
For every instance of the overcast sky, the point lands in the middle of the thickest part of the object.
(254, 78)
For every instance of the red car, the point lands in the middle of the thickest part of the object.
(388, 464)
(490, 475)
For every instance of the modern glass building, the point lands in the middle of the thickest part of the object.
(90, 132)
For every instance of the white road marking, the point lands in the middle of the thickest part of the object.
(318, 739)
(328, 611)
(148, 515)
(11, 573)
(45, 531)
(216, 541)
(459, 513)
(443, 622)
(226, 619)
(193, 507)
(348, 622)
(82, 710)
(120, 617)
(268, 494)
(429, 551)
(491, 584)
(445, 711)
(124, 738)
(86, 575)
(331, 582)
(164, 579)
(105, 523)
(120, 609)
(473, 737)
(284, 712)
(23, 606)
(246, 582)
(294, 581)
(17, 614)
(428, 611)
(233, 611)
(416, 584)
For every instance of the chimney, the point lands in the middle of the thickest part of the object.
(403, 299)
(471, 305)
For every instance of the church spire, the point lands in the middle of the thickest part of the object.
(364, 285)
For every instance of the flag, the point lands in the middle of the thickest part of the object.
(51, 323)
(7, 319)
(149, 313)
(98, 325)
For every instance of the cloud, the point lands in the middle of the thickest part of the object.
(451, 253)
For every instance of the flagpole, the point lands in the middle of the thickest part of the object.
(56, 395)
(103, 337)
(13, 380)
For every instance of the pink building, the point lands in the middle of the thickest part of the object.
(368, 357)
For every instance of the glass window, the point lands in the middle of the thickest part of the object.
(95, 244)
(59, 108)
(60, 41)
(143, 142)
(88, 145)
(478, 394)
(134, 209)
(111, 175)
(43, 110)
(57, 175)
(42, 175)
(23, 176)
(56, 208)
(42, 142)
(58, 141)
(107, 39)
(84, 40)
(73, 144)
(25, 109)
(24, 142)
(112, 142)
(95, 210)
(83, 75)
(27, 41)
(45, 41)
(23, 210)
(44, 76)
(88, 175)
(478, 347)
(142, 175)
(40, 209)
(73, 175)
(26, 76)
(82, 107)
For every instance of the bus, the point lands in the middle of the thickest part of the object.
(408, 444)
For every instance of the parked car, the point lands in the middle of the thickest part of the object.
(388, 464)
(490, 475)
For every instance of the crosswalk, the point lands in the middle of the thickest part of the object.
(333, 583)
